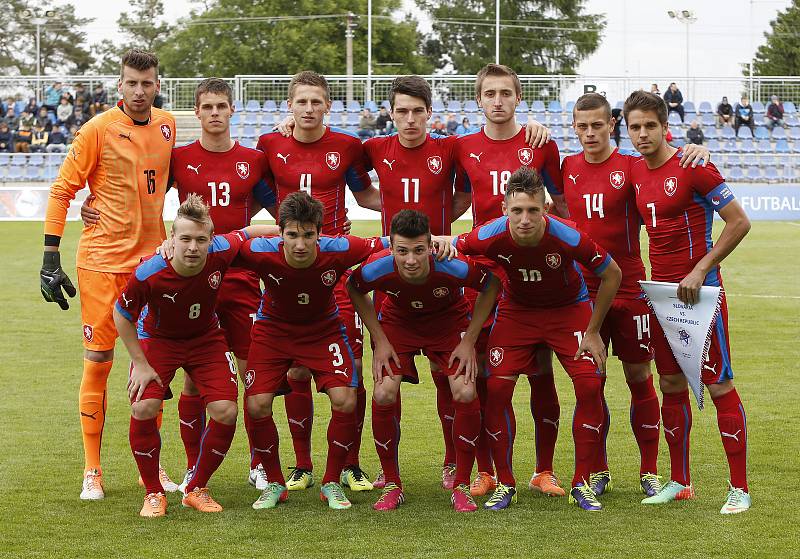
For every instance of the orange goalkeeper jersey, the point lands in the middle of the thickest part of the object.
(126, 167)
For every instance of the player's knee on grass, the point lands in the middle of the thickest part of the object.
(385, 393)
(99, 356)
(343, 399)
(462, 393)
(259, 405)
(189, 387)
(223, 411)
(720, 388)
(146, 409)
(671, 384)
(299, 373)
(636, 372)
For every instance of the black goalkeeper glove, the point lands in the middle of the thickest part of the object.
(53, 278)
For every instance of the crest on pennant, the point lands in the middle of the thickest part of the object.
(328, 278)
(553, 260)
(332, 159)
(215, 279)
(166, 131)
(617, 179)
(525, 155)
(243, 169)
(671, 186)
(435, 164)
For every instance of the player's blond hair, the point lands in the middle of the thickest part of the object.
(307, 77)
(196, 210)
(497, 70)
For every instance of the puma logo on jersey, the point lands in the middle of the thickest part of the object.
(90, 415)
(552, 422)
(264, 450)
(493, 435)
(126, 136)
(637, 187)
(125, 299)
(389, 163)
(273, 278)
(384, 446)
(195, 169)
(466, 440)
(344, 446)
(671, 431)
(574, 179)
(592, 427)
(506, 258)
(596, 256)
(149, 454)
(189, 424)
(170, 297)
(393, 293)
(648, 426)
(233, 380)
(340, 372)
(735, 436)
(284, 157)
(477, 157)
(301, 423)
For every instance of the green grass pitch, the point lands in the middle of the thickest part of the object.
(40, 468)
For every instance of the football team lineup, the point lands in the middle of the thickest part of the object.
(551, 267)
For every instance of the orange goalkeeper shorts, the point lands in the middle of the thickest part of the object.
(99, 291)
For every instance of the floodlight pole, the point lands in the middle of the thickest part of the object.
(687, 18)
(497, 32)
(38, 19)
(369, 51)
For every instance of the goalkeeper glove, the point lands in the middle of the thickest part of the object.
(53, 278)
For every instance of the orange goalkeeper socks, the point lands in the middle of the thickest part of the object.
(92, 407)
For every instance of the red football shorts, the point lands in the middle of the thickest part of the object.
(717, 365)
(518, 330)
(324, 348)
(627, 327)
(237, 304)
(348, 315)
(205, 359)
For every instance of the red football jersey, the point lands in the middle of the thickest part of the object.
(677, 206)
(228, 182)
(321, 168)
(419, 178)
(168, 305)
(602, 203)
(303, 295)
(439, 299)
(487, 165)
(541, 276)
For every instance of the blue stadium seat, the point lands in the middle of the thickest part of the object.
(678, 142)
(574, 145)
(778, 133)
(729, 146)
(537, 106)
(758, 108)
(33, 173)
(744, 132)
(735, 174)
(352, 119)
(733, 159)
(794, 133)
(754, 173)
(677, 132)
(268, 121)
(789, 108)
(708, 120)
(387, 104)
(747, 146)
(372, 106)
(18, 160)
(674, 119)
(249, 132)
(626, 144)
(248, 143)
(284, 106)
(15, 173)
(250, 118)
(238, 105)
(749, 160)
(555, 119)
(18, 107)
(727, 133)
(270, 106)
(50, 173)
(771, 174)
(36, 160)
(523, 107)
(236, 119)
(764, 146)
(252, 106)
(619, 105)
(782, 146)
(353, 106)
(471, 106)
(437, 106)
(570, 106)
(454, 106)
(767, 160)
(337, 106)
(560, 144)
(705, 108)
(791, 119)
(761, 133)
(554, 106)
(688, 107)
(522, 118)
(714, 145)
(709, 132)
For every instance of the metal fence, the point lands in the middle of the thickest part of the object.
(179, 92)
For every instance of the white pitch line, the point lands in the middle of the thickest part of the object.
(769, 296)
(793, 223)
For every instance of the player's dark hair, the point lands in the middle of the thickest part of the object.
(525, 180)
(302, 208)
(645, 101)
(138, 60)
(213, 85)
(414, 86)
(307, 77)
(194, 209)
(496, 70)
(410, 224)
(591, 102)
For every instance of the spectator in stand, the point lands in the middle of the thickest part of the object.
(78, 118)
(695, 134)
(99, 101)
(724, 113)
(654, 89)
(775, 113)
(384, 122)
(57, 141)
(616, 114)
(464, 127)
(366, 124)
(64, 110)
(39, 139)
(6, 138)
(22, 138)
(80, 91)
(452, 124)
(52, 94)
(43, 119)
(743, 115)
(32, 107)
(11, 118)
(674, 100)
(438, 127)
(26, 119)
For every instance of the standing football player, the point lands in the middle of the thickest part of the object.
(123, 155)
(677, 206)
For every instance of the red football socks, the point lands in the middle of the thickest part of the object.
(676, 413)
(216, 441)
(587, 425)
(546, 412)
(466, 432)
(386, 433)
(300, 414)
(732, 424)
(645, 422)
(500, 425)
(341, 437)
(265, 445)
(146, 447)
(361, 411)
(192, 418)
(483, 453)
(444, 407)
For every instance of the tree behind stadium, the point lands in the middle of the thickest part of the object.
(536, 37)
(778, 56)
(232, 37)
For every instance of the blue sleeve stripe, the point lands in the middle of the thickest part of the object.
(150, 267)
(343, 131)
(602, 267)
(467, 183)
(123, 312)
(386, 242)
(219, 244)
(549, 184)
(265, 244)
(264, 194)
(564, 232)
(456, 268)
(720, 196)
(244, 234)
(334, 244)
(378, 268)
(353, 181)
(492, 228)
